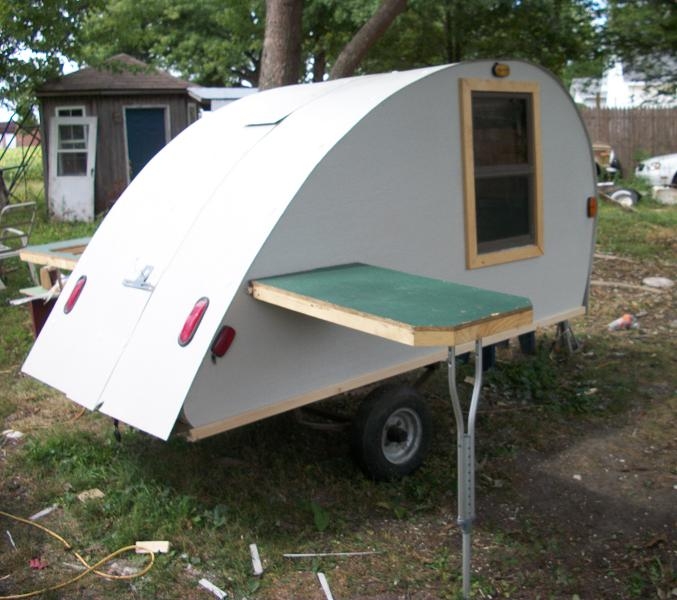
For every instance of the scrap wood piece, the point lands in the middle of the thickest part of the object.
(43, 513)
(614, 257)
(629, 286)
(93, 494)
(155, 546)
(208, 585)
(325, 585)
(256, 560)
(11, 540)
(326, 554)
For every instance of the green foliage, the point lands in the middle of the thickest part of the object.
(643, 34)
(37, 36)
(216, 44)
(209, 42)
(551, 33)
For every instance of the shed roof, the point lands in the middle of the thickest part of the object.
(121, 73)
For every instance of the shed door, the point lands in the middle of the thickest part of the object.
(146, 132)
(72, 157)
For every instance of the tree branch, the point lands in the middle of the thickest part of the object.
(351, 56)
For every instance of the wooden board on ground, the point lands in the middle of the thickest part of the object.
(405, 308)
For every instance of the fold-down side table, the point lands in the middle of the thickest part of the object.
(416, 311)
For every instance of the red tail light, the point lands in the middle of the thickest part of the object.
(224, 338)
(75, 294)
(193, 321)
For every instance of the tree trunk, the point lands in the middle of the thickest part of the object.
(281, 57)
(366, 37)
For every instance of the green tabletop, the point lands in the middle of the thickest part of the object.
(411, 309)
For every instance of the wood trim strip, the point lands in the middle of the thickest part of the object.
(474, 259)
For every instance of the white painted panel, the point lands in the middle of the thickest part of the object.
(76, 353)
(233, 226)
(390, 193)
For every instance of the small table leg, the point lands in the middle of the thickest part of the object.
(465, 444)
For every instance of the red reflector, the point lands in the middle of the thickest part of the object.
(224, 338)
(592, 206)
(193, 321)
(75, 294)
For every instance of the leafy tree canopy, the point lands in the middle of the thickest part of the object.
(218, 42)
(211, 42)
(643, 34)
(37, 36)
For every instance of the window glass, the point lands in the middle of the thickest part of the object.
(503, 173)
(72, 137)
(71, 163)
(71, 156)
(70, 111)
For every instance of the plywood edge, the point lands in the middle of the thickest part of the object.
(475, 330)
(200, 432)
(65, 261)
(339, 315)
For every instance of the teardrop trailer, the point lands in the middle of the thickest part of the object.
(397, 219)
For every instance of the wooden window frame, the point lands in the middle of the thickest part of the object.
(474, 258)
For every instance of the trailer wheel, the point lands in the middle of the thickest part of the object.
(391, 432)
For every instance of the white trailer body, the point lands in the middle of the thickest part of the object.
(408, 171)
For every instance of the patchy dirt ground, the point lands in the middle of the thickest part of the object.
(603, 496)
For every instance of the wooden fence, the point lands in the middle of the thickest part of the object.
(633, 133)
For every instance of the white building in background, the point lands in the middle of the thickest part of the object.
(618, 89)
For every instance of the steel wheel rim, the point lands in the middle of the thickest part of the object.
(404, 421)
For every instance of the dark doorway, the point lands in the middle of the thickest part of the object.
(146, 135)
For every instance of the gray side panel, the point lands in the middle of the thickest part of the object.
(390, 194)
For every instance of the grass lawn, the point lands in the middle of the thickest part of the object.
(577, 471)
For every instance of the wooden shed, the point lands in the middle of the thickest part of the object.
(101, 126)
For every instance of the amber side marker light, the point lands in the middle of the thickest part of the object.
(592, 207)
(193, 321)
(223, 340)
(500, 70)
(75, 294)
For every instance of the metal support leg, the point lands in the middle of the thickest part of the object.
(465, 448)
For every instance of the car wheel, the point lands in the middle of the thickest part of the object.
(391, 432)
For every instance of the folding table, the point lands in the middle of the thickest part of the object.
(416, 311)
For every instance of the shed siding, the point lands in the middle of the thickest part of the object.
(111, 153)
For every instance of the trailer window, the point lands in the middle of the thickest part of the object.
(502, 181)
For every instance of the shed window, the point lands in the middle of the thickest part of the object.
(70, 111)
(503, 200)
(72, 149)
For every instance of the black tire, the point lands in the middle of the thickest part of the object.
(391, 432)
(528, 343)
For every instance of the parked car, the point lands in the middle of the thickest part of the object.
(606, 162)
(659, 170)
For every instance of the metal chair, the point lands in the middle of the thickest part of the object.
(16, 226)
